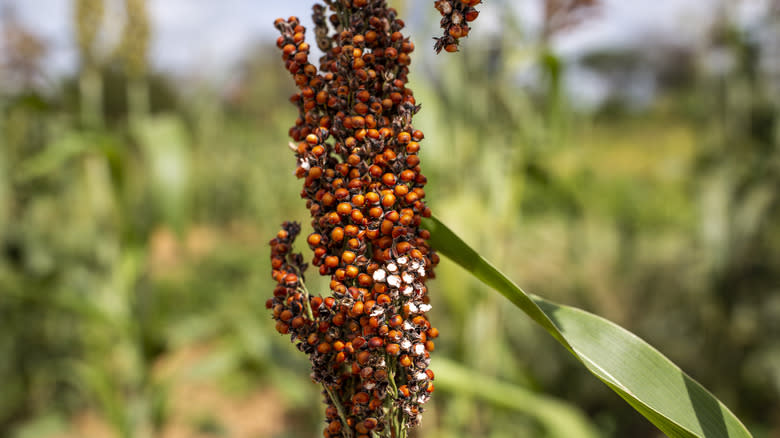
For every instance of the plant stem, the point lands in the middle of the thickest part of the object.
(306, 303)
(91, 96)
(137, 100)
(397, 429)
(340, 409)
(391, 377)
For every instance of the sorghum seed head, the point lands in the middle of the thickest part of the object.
(357, 155)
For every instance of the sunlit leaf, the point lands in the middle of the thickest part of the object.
(646, 379)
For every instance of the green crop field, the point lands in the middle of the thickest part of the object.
(136, 207)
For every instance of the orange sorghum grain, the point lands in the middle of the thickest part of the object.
(456, 16)
(357, 153)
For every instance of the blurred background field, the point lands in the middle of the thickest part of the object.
(622, 159)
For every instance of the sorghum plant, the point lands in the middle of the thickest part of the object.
(370, 341)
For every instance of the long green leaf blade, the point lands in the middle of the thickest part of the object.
(652, 384)
(557, 418)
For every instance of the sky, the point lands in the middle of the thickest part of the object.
(207, 37)
(188, 34)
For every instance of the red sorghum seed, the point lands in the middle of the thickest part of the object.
(357, 154)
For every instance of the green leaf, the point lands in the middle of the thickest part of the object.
(558, 418)
(646, 379)
(166, 149)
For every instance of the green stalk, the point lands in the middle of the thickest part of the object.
(396, 429)
(137, 100)
(91, 91)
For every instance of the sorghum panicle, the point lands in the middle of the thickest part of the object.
(370, 341)
(456, 14)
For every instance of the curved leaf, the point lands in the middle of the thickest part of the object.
(558, 419)
(646, 379)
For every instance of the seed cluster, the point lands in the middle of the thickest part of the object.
(456, 14)
(370, 341)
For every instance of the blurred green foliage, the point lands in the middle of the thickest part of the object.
(133, 256)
